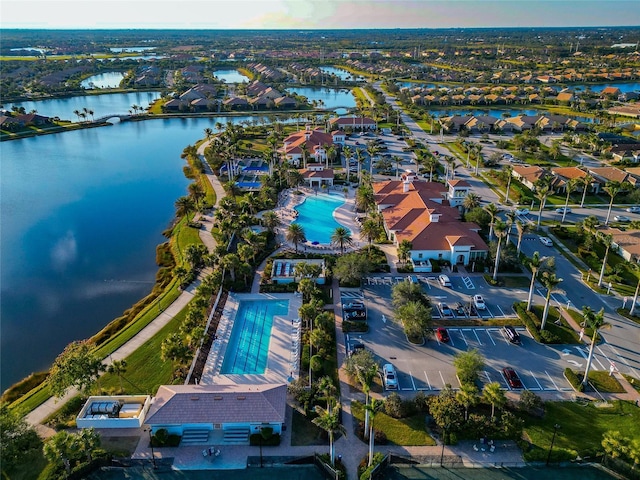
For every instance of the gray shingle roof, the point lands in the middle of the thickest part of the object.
(180, 404)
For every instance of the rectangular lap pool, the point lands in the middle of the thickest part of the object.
(248, 348)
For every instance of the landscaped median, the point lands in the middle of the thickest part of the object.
(554, 333)
(601, 381)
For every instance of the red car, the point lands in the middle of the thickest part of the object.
(512, 378)
(442, 334)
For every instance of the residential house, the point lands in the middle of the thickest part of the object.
(420, 213)
(625, 243)
(285, 102)
(564, 174)
(28, 119)
(176, 105)
(236, 103)
(612, 174)
(235, 411)
(565, 97)
(530, 174)
(315, 142)
(612, 92)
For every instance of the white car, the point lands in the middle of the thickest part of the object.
(635, 209)
(522, 211)
(444, 281)
(563, 209)
(390, 377)
(621, 218)
(478, 301)
(546, 241)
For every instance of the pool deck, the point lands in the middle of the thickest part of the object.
(345, 215)
(284, 345)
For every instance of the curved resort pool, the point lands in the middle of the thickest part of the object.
(315, 215)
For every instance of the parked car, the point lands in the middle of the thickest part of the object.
(444, 281)
(546, 241)
(460, 310)
(353, 306)
(478, 301)
(512, 378)
(355, 348)
(634, 209)
(563, 210)
(390, 377)
(522, 212)
(511, 334)
(621, 218)
(445, 310)
(442, 334)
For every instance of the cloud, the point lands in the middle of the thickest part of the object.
(64, 252)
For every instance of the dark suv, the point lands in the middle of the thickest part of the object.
(511, 334)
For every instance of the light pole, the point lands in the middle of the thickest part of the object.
(153, 454)
(553, 439)
(444, 436)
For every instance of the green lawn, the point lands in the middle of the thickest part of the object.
(603, 382)
(564, 332)
(635, 383)
(581, 428)
(408, 431)
(304, 432)
(146, 371)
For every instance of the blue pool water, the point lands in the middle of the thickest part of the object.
(248, 347)
(315, 215)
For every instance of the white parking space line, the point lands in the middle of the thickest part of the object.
(490, 338)
(501, 312)
(551, 380)
(412, 382)
(475, 332)
(488, 311)
(603, 354)
(451, 340)
(442, 378)
(463, 338)
(486, 374)
(428, 382)
(624, 360)
(584, 355)
(534, 377)
(468, 283)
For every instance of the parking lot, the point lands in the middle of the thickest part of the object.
(429, 367)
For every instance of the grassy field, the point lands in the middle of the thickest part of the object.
(603, 382)
(408, 431)
(581, 428)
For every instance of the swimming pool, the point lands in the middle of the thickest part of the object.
(315, 215)
(248, 348)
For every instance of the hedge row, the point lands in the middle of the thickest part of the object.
(529, 320)
(573, 378)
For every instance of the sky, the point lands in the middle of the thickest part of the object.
(315, 14)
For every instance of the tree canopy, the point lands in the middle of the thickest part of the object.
(77, 366)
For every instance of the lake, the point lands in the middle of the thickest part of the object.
(331, 97)
(81, 214)
(103, 80)
(101, 105)
(231, 76)
(342, 74)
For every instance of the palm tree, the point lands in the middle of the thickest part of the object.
(295, 234)
(570, 186)
(478, 156)
(522, 228)
(468, 397)
(543, 189)
(271, 221)
(493, 394)
(371, 413)
(586, 183)
(550, 282)
(511, 218)
(208, 133)
(500, 230)
(329, 421)
(471, 201)
(370, 230)
(607, 240)
(535, 263)
(493, 211)
(612, 188)
(596, 322)
(341, 237)
(119, 367)
(635, 295)
(404, 250)
(508, 172)
(397, 160)
(184, 206)
(365, 376)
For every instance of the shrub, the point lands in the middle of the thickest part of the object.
(529, 402)
(573, 378)
(364, 472)
(421, 402)
(394, 406)
(528, 318)
(349, 326)
(272, 440)
(548, 337)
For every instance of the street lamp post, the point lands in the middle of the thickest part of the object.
(153, 454)
(553, 439)
(444, 436)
